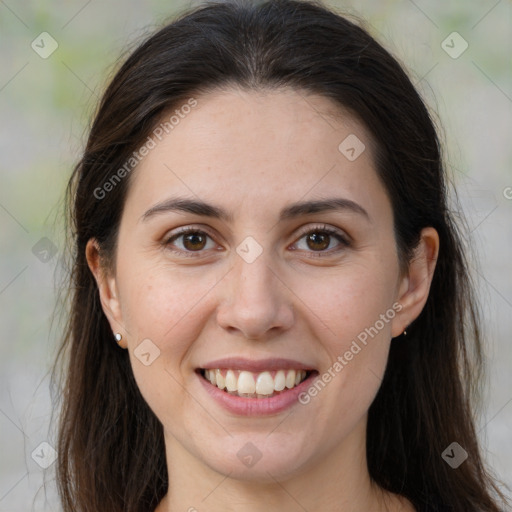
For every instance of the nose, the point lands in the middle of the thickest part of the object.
(257, 303)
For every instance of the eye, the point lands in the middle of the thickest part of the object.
(319, 238)
(193, 240)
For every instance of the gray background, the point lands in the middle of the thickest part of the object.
(45, 106)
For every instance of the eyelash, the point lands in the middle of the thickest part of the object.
(324, 229)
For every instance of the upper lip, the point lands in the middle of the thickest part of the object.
(257, 366)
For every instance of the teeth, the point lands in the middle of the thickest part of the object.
(261, 385)
(231, 381)
(290, 379)
(264, 384)
(221, 383)
(246, 383)
(279, 381)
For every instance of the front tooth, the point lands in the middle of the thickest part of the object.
(246, 383)
(221, 383)
(280, 381)
(290, 379)
(265, 384)
(230, 381)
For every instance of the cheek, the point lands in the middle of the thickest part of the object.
(166, 305)
(352, 310)
(350, 300)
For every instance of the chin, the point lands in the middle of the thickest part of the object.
(255, 458)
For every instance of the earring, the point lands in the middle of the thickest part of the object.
(405, 332)
(118, 338)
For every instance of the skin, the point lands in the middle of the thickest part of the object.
(253, 153)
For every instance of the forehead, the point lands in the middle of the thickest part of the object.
(247, 149)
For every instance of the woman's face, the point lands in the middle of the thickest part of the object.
(265, 289)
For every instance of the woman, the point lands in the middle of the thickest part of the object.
(260, 222)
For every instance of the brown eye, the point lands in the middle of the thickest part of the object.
(318, 241)
(194, 241)
(189, 241)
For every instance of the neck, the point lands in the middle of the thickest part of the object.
(337, 480)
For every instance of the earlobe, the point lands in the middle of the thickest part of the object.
(107, 286)
(415, 286)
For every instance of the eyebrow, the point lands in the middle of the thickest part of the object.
(291, 211)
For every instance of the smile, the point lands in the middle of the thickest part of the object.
(248, 384)
(247, 387)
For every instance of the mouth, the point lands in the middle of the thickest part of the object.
(256, 385)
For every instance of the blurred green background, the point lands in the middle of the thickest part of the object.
(46, 105)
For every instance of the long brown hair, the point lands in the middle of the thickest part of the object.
(111, 452)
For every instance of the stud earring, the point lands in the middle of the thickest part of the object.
(118, 338)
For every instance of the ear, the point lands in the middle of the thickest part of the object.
(414, 287)
(107, 288)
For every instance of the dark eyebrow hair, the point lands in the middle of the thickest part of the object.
(197, 207)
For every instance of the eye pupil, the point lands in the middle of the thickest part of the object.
(322, 239)
(193, 237)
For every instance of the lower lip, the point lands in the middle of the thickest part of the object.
(257, 406)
